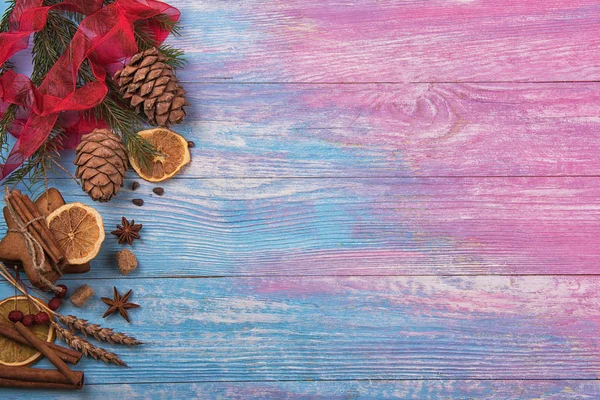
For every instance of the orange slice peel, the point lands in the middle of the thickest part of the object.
(16, 354)
(78, 230)
(174, 154)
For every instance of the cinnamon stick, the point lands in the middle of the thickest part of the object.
(67, 355)
(39, 229)
(31, 375)
(13, 383)
(22, 214)
(46, 234)
(51, 355)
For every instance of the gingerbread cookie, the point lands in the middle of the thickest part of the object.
(13, 247)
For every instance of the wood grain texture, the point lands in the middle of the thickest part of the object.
(392, 130)
(257, 227)
(391, 41)
(334, 141)
(352, 328)
(421, 390)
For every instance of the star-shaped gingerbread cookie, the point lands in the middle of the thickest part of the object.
(13, 248)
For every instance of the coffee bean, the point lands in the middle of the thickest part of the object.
(191, 144)
(138, 202)
(135, 185)
(159, 191)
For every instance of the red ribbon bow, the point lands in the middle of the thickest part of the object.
(105, 37)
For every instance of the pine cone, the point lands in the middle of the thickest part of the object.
(148, 82)
(101, 164)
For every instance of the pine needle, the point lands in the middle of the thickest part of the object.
(50, 43)
(144, 40)
(4, 21)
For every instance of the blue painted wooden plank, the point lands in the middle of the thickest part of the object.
(422, 390)
(254, 227)
(307, 328)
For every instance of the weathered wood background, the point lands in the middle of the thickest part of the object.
(391, 199)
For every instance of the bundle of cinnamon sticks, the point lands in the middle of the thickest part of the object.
(35, 378)
(28, 212)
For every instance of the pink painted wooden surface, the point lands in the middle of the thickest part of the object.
(341, 146)
(392, 40)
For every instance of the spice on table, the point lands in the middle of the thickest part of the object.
(128, 231)
(65, 354)
(36, 378)
(72, 377)
(81, 295)
(135, 185)
(126, 261)
(119, 303)
(158, 191)
(138, 202)
(191, 144)
(30, 216)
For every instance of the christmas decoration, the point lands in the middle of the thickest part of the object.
(174, 154)
(119, 303)
(101, 164)
(149, 83)
(78, 46)
(15, 309)
(40, 270)
(65, 328)
(127, 232)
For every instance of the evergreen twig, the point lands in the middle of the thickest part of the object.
(48, 45)
(10, 113)
(144, 39)
(4, 21)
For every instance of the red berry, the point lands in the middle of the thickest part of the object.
(29, 320)
(42, 318)
(61, 292)
(15, 316)
(54, 304)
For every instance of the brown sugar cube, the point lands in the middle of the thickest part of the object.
(81, 295)
(127, 261)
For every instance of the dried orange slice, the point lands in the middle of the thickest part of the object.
(13, 353)
(174, 154)
(78, 230)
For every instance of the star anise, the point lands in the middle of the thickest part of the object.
(128, 231)
(119, 304)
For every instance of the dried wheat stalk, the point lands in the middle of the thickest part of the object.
(85, 347)
(95, 330)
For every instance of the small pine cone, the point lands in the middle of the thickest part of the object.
(150, 85)
(101, 162)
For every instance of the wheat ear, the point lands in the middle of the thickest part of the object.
(85, 347)
(95, 330)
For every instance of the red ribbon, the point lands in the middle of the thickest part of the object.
(105, 37)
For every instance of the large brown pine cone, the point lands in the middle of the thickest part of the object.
(101, 162)
(149, 83)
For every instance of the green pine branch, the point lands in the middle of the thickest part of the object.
(50, 43)
(144, 40)
(32, 174)
(48, 46)
(10, 114)
(10, 6)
